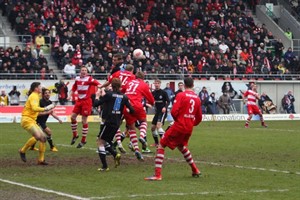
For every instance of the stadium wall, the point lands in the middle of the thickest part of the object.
(274, 89)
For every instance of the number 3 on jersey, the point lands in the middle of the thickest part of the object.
(192, 102)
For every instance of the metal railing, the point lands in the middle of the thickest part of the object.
(212, 76)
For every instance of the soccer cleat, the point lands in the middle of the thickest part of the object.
(130, 147)
(103, 169)
(22, 155)
(139, 156)
(54, 149)
(154, 145)
(74, 140)
(246, 125)
(196, 173)
(144, 145)
(33, 149)
(42, 162)
(264, 124)
(121, 149)
(153, 178)
(147, 150)
(81, 144)
(117, 160)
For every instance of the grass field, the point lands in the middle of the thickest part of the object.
(236, 163)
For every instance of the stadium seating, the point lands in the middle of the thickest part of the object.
(175, 33)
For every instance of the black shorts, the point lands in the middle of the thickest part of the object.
(159, 117)
(43, 125)
(107, 132)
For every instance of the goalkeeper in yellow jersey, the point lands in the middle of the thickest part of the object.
(28, 122)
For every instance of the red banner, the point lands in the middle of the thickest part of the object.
(13, 110)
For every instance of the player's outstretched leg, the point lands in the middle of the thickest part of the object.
(189, 159)
(262, 121)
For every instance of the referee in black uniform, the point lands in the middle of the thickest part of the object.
(162, 102)
(43, 117)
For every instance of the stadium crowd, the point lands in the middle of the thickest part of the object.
(177, 36)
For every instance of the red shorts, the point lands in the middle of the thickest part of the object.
(174, 137)
(253, 109)
(139, 114)
(83, 107)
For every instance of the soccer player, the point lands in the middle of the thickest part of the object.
(251, 95)
(137, 90)
(162, 102)
(28, 122)
(83, 105)
(125, 76)
(43, 117)
(187, 113)
(114, 102)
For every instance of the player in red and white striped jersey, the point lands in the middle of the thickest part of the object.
(252, 108)
(83, 106)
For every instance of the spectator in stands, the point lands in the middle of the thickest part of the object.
(40, 40)
(37, 51)
(70, 70)
(220, 22)
(288, 33)
(289, 57)
(68, 47)
(278, 47)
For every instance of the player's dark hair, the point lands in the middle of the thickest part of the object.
(116, 84)
(44, 90)
(32, 87)
(188, 82)
(140, 75)
(180, 83)
(118, 57)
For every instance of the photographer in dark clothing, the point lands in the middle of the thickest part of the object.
(62, 90)
(14, 96)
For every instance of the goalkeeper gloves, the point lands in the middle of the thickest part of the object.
(49, 107)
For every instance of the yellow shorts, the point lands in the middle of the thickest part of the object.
(30, 125)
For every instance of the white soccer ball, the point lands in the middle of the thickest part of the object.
(138, 54)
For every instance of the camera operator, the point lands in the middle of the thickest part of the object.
(14, 95)
(62, 90)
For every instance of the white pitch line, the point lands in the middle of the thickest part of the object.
(252, 168)
(211, 163)
(188, 194)
(44, 190)
(257, 128)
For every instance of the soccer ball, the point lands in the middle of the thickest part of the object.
(138, 54)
